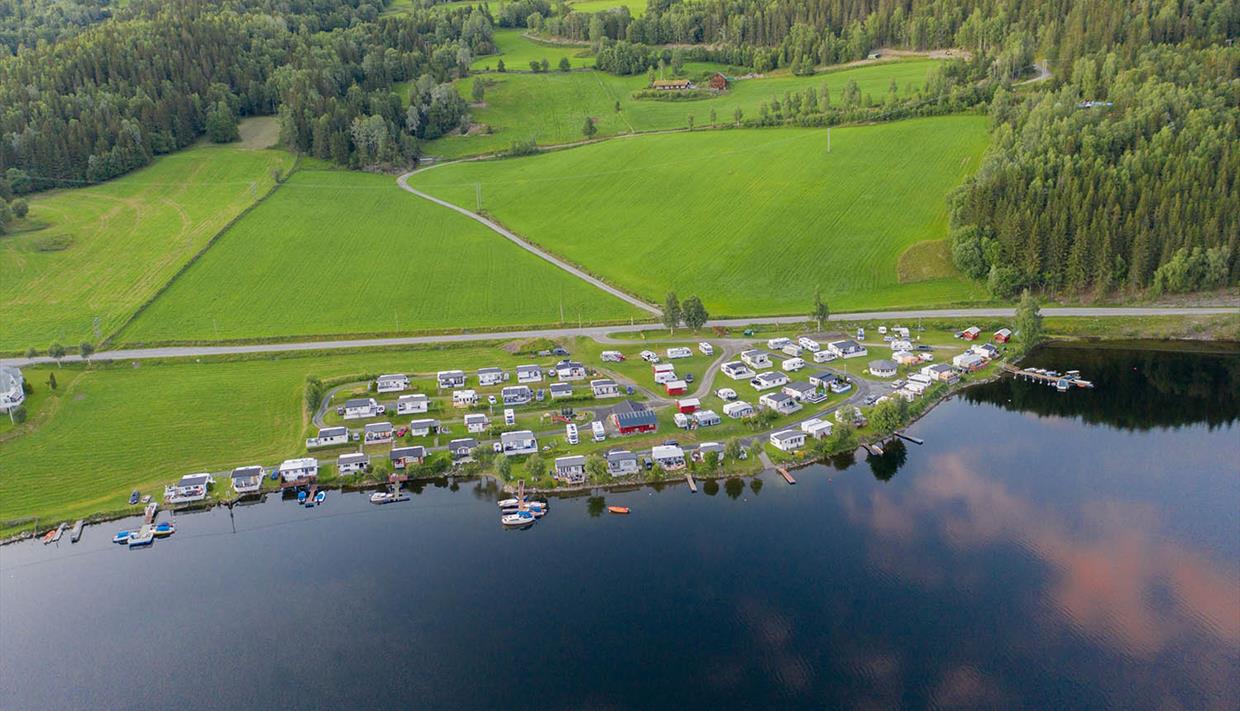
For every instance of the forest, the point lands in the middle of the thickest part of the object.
(1117, 174)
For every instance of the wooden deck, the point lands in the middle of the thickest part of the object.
(691, 482)
(1040, 376)
(787, 475)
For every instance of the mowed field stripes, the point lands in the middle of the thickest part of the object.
(752, 221)
(335, 252)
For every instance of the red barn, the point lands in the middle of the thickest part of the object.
(633, 417)
(1003, 335)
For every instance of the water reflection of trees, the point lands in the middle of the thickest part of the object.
(595, 506)
(734, 488)
(884, 466)
(1136, 389)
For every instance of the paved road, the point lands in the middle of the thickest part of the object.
(403, 181)
(599, 333)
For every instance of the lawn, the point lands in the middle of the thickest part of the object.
(118, 427)
(336, 252)
(93, 255)
(552, 107)
(518, 51)
(752, 221)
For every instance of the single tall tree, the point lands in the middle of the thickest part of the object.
(672, 313)
(694, 313)
(821, 311)
(86, 348)
(589, 129)
(479, 91)
(564, 65)
(56, 351)
(1028, 322)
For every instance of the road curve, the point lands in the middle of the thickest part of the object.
(600, 332)
(403, 182)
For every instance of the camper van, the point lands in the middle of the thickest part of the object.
(570, 433)
(599, 433)
(706, 348)
(510, 417)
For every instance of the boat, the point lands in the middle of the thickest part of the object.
(49, 536)
(320, 497)
(122, 536)
(618, 509)
(521, 519)
(144, 537)
(1062, 385)
(1083, 383)
(509, 503)
(302, 496)
(76, 534)
(164, 529)
(387, 497)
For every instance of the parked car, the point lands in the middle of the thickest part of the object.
(402, 431)
(340, 410)
(922, 347)
(650, 356)
(558, 350)
(648, 463)
(133, 497)
(491, 399)
(688, 377)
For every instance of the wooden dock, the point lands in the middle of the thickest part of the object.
(914, 440)
(1049, 377)
(783, 471)
(691, 482)
(76, 534)
(872, 449)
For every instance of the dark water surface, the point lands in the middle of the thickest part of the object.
(1041, 550)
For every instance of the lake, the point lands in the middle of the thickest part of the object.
(1041, 550)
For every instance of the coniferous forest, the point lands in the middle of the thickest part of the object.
(1117, 174)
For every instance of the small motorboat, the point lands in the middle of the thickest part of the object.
(618, 509)
(144, 537)
(49, 536)
(164, 529)
(509, 503)
(1063, 385)
(302, 496)
(320, 497)
(520, 519)
(122, 536)
(387, 497)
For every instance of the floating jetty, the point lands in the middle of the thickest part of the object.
(691, 482)
(76, 534)
(1063, 381)
(914, 440)
(783, 471)
(148, 515)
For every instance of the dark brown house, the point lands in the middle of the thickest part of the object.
(718, 82)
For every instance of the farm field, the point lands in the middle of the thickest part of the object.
(335, 252)
(93, 255)
(752, 221)
(553, 107)
(117, 428)
(637, 8)
(517, 51)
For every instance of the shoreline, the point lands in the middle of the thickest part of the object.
(721, 473)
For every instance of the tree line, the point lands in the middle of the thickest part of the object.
(1124, 178)
(107, 100)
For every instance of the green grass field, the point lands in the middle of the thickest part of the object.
(335, 252)
(752, 221)
(517, 51)
(637, 8)
(118, 428)
(95, 254)
(553, 107)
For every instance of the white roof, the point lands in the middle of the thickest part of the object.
(666, 451)
(301, 463)
(784, 435)
(689, 401)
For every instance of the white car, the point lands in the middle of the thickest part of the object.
(726, 393)
(650, 356)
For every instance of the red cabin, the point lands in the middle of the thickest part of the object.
(971, 333)
(688, 406)
(1003, 335)
(677, 387)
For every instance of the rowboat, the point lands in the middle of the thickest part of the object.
(320, 497)
(302, 496)
(618, 509)
(49, 536)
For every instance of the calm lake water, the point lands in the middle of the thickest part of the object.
(1041, 550)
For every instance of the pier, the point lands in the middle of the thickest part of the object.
(1049, 377)
(691, 482)
(914, 440)
(76, 534)
(783, 471)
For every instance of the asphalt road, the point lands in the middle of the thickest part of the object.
(600, 332)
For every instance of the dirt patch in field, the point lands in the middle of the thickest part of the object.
(259, 132)
(924, 261)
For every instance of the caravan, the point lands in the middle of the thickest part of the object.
(570, 433)
(599, 433)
